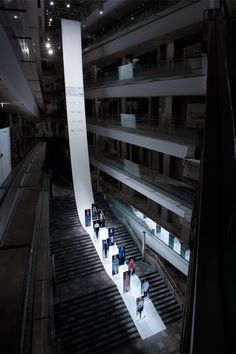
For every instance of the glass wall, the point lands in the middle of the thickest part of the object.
(166, 237)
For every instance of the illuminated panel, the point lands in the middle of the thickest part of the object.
(72, 57)
(5, 154)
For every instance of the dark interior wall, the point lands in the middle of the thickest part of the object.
(180, 105)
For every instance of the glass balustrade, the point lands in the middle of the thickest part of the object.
(150, 226)
(150, 178)
(142, 12)
(187, 66)
(175, 126)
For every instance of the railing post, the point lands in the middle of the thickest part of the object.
(143, 246)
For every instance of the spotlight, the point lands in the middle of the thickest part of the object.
(101, 12)
(50, 19)
(51, 3)
(15, 17)
(68, 5)
(48, 45)
(50, 51)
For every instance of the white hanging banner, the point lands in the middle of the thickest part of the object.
(73, 73)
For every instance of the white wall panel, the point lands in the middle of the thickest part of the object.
(5, 154)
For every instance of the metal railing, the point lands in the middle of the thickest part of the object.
(27, 325)
(30, 284)
(126, 212)
(159, 266)
(175, 125)
(150, 70)
(142, 12)
(170, 187)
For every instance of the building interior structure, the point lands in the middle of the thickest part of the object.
(159, 87)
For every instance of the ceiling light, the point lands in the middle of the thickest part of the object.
(101, 12)
(50, 51)
(48, 39)
(67, 5)
(48, 45)
(50, 19)
(15, 17)
(51, 3)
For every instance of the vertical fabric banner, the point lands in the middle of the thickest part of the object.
(74, 88)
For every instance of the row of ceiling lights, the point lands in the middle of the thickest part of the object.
(48, 44)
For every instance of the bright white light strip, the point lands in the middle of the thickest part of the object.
(72, 58)
(151, 323)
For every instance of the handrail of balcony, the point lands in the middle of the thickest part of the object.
(177, 127)
(139, 203)
(30, 281)
(172, 187)
(156, 8)
(126, 210)
(188, 66)
(167, 123)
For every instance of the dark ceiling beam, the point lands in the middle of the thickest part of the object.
(7, 9)
(21, 37)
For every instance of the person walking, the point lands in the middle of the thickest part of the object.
(96, 228)
(131, 266)
(145, 287)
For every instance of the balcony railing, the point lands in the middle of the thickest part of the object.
(188, 66)
(126, 212)
(137, 16)
(169, 186)
(175, 126)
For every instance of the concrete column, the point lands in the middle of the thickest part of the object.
(96, 108)
(143, 246)
(98, 176)
(95, 72)
(166, 103)
(10, 119)
(123, 150)
(166, 165)
(170, 51)
(123, 105)
(149, 109)
(164, 214)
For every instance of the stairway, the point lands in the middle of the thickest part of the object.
(163, 299)
(160, 294)
(89, 313)
(95, 323)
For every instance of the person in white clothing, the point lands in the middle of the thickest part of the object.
(145, 287)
